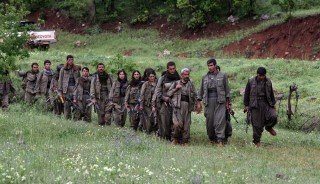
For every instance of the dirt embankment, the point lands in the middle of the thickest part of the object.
(55, 19)
(295, 39)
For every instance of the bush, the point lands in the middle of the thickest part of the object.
(119, 62)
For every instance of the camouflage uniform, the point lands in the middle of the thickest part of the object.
(43, 85)
(66, 85)
(99, 90)
(183, 102)
(31, 86)
(259, 97)
(165, 126)
(148, 117)
(5, 87)
(55, 101)
(214, 92)
(117, 95)
(82, 96)
(132, 99)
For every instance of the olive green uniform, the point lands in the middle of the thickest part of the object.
(148, 117)
(66, 85)
(116, 96)
(43, 85)
(165, 124)
(183, 102)
(132, 99)
(31, 86)
(55, 101)
(214, 92)
(82, 96)
(99, 90)
(259, 97)
(5, 87)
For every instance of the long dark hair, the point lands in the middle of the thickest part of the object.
(147, 72)
(133, 81)
(125, 75)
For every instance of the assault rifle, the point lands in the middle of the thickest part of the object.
(74, 106)
(94, 104)
(230, 113)
(248, 119)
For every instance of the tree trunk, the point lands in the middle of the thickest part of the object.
(92, 10)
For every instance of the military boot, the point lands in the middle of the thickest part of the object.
(272, 131)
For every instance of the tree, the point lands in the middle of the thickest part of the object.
(13, 38)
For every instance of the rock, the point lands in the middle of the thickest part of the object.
(264, 17)
(241, 91)
(312, 98)
(232, 19)
(77, 43)
(166, 52)
(281, 176)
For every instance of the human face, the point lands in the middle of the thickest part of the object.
(85, 73)
(151, 77)
(171, 69)
(70, 61)
(185, 75)
(136, 75)
(122, 76)
(35, 68)
(212, 67)
(261, 77)
(100, 68)
(47, 66)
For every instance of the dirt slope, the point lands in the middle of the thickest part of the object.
(297, 38)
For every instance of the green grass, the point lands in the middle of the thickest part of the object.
(58, 151)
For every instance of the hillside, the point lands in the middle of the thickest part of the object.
(39, 147)
(295, 39)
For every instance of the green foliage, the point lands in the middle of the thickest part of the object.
(93, 30)
(77, 9)
(286, 5)
(141, 17)
(119, 62)
(34, 5)
(12, 37)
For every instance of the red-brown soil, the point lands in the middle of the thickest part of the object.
(176, 29)
(295, 39)
(55, 19)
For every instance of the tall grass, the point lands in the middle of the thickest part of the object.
(39, 147)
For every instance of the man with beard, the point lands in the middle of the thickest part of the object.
(183, 96)
(101, 84)
(43, 84)
(162, 102)
(81, 97)
(215, 95)
(31, 83)
(260, 102)
(68, 77)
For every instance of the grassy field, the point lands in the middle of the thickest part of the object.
(39, 147)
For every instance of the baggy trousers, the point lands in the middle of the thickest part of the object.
(215, 114)
(262, 117)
